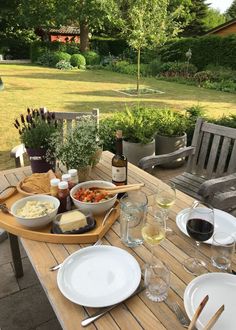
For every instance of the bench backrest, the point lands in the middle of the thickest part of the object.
(69, 118)
(215, 150)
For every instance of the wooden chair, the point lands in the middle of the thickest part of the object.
(211, 165)
(69, 119)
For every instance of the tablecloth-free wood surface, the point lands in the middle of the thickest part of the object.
(138, 312)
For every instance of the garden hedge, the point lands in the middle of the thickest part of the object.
(206, 50)
(106, 46)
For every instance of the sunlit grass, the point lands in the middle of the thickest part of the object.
(32, 86)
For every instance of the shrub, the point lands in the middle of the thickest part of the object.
(78, 60)
(64, 65)
(229, 121)
(92, 58)
(203, 76)
(127, 68)
(193, 113)
(46, 59)
(224, 86)
(171, 69)
(60, 56)
(220, 73)
(107, 129)
(171, 123)
(72, 48)
(37, 49)
(154, 67)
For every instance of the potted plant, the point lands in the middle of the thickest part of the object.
(35, 129)
(138, 129)
(171, 135)
(77, 148)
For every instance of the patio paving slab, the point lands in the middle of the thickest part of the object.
(25, 310)
(52, 325)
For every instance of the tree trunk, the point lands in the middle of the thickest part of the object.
(84, 38)
(138, 71)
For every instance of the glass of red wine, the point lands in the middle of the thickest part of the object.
(200, 226)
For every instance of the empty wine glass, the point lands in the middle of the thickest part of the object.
(165, 198)
(200, 226)
(154, 229)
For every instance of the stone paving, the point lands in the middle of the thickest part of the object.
(23, 303)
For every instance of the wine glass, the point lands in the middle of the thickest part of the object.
(165, 198)
(154, 229)
(200, 226)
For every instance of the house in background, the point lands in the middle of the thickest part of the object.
(62, 34)
(224, 29)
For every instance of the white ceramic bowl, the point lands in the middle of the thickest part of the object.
(39, 221)
(94, 208)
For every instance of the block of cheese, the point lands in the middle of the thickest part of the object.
(72, 220)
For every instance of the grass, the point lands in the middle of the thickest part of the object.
(33, 86)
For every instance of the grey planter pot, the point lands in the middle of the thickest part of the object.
(167, 144)
(135, 151)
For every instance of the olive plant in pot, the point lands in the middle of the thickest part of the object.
(35, 129)
(171, 135)
(77, 148)
(138, 129)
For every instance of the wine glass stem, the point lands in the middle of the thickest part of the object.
(197, 250)
(165, 214)
(152, 254)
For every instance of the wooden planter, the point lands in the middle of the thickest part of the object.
(167, 144)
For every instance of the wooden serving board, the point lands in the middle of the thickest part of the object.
(9, 223)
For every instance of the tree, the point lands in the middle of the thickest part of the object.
(213, 18)
(231, 12)
(198, 11)
(148, 23)
(86, 14)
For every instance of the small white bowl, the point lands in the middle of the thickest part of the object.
(94, 208)
(39, 221)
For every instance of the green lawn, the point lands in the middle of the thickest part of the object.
(32, 86)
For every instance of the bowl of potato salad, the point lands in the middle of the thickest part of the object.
(35, 211)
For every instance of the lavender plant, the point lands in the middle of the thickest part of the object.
(36, 128)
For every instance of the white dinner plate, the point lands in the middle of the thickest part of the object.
(223, 222)
(221, 288)
(99, 276)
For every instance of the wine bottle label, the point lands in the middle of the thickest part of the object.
(118, 174)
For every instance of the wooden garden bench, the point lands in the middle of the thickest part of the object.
(68, 118)
(211, 166)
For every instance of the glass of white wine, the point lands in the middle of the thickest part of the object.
(154, 229)
(165, 198)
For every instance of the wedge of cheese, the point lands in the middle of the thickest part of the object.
(72, 220)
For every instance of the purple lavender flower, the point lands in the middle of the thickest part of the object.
(22, 119)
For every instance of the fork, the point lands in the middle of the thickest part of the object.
(180, 315)
(56, 267)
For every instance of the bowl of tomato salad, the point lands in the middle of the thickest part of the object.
(87, 198)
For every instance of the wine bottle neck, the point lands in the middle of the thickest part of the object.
(119, 147)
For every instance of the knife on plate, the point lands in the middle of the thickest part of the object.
(104, 310)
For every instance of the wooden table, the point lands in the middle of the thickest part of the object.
(138, 312)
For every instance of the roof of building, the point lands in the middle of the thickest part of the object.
(68, 30)
(222, 26)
